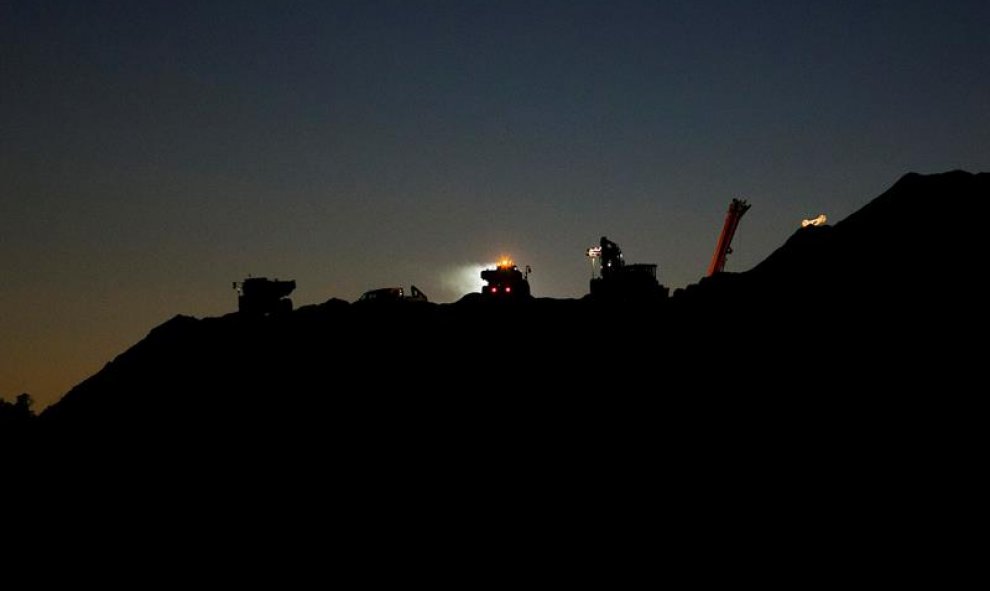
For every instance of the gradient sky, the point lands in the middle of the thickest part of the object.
(153, 152)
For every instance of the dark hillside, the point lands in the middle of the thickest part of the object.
(840, 330)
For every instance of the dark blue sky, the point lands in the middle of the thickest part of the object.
(153, 152)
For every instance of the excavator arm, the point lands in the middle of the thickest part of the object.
(723, 247)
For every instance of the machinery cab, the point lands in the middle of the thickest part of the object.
(383, 294)
(262, 296)
(505, 281)
(393, 294)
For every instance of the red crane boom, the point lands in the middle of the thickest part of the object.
(723, 248)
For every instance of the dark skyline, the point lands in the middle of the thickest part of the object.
(151, 153)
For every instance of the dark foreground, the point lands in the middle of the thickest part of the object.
(834, 382)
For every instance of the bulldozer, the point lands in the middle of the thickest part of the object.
(260, 296)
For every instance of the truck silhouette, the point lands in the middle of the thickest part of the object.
(506, 281)
(393, 294)
(260, 296)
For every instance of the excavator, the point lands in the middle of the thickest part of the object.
(619, 281)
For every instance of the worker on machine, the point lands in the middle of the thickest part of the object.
(611, 256)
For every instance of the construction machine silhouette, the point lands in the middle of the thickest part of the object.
(506, 281)
(618, 281)
(260, 296)
(723, 248)
(393, 294)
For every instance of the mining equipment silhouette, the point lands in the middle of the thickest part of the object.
(260, 296)
(393, 294)
(611, 278)
(723, 247)
(615, 280)
(506, 281)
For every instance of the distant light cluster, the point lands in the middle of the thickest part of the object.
(818, 221)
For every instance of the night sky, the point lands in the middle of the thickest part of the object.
(153, 152)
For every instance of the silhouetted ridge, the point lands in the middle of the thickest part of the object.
(879, 291)
(918, 199)
(916, 239)
(106, 392)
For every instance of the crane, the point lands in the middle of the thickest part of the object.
(722, 248)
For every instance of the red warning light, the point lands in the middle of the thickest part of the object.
(508, 289)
